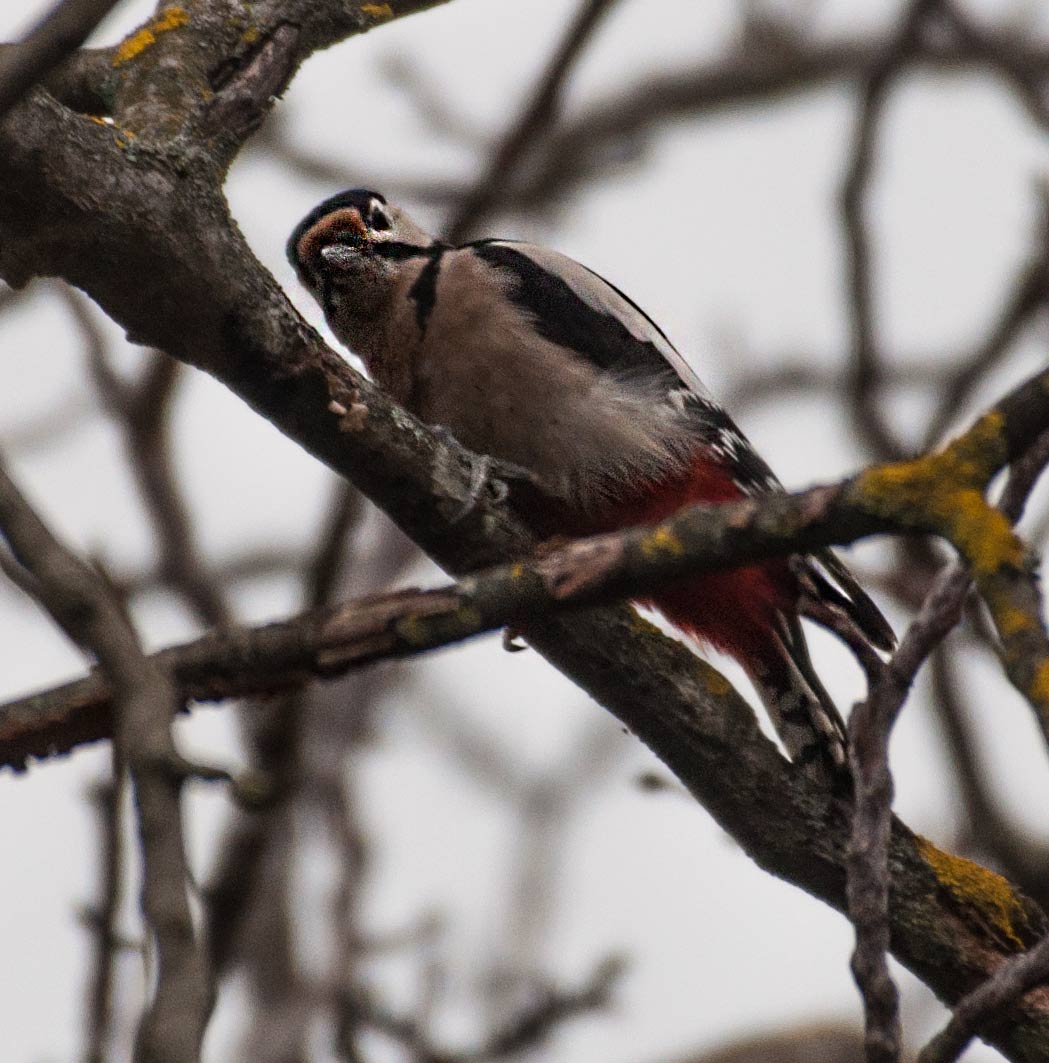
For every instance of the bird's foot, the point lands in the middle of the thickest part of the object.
(491, 478)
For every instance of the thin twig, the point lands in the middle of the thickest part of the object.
(790, 375)
(143, 410)
(1002, 54)
(870, 728)
(80, 601)
(867, 370)
(60, 32)
(540, 111)
(108, 799)
(1028, 296)
(528, 1028)
(987, 1002)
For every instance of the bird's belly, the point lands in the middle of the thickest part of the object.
(583, 434)
(508, 415)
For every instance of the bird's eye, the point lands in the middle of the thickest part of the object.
(379, 221)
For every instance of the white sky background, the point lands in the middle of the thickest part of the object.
(727, 236)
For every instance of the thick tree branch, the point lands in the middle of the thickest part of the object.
(523, 593)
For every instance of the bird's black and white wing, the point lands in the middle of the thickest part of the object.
(579, 310)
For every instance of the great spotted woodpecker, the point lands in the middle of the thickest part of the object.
(531, 358)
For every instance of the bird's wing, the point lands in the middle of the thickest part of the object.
(578, 309)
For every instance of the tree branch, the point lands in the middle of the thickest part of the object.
(540, 112)
(870, 728)
(633, 562)
(145, 700)
(985, 1004)
(61, 31)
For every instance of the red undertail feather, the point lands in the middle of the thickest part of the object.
(750, 613)
(736, 611)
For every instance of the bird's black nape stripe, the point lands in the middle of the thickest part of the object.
(565, 319)
(400, 252)
(424, 291)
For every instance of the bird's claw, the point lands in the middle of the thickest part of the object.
(488, 476)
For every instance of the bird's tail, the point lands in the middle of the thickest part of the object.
(801, 710)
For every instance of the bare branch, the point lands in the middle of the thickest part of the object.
(986, 1003)
(870, 728)
(625, 563)
(79, 600)
(1001, 54)
(187, 283)
(61, 31)
(527, 1029)
(540, 112)
(866, 359)
(1029, 295)
(108, 799)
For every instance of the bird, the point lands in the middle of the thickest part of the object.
(530, 358)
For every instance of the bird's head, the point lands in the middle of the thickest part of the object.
(349, 251)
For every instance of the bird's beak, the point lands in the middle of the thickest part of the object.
(346, 232)
(341, 256)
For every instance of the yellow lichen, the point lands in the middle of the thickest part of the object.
(1010, 620)
(661, 543)
(981, 450)
(714, 681)
(250, 35)
(1039, 688)
(944, 492)
(978, 888)
(171, 18)
(982, 533)
(377, 11)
